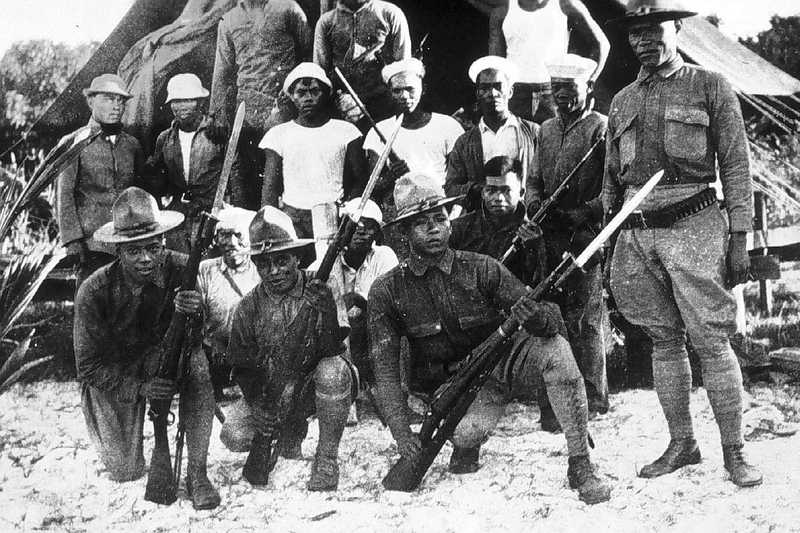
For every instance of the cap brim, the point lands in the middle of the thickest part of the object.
(167, 220)
(659, 16)
(444, 202)
(89, 92)
(190, 97)
(294, 245)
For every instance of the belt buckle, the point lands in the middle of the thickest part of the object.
(640, 218)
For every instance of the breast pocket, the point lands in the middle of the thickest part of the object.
(686, 132)
(423, 330)
(625, 138)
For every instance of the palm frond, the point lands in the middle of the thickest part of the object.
(15, 366)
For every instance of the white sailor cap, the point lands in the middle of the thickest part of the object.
(235, 218)
(412, 65)
(571, 67)
(371, 209)
(498, 63)
(306, 70)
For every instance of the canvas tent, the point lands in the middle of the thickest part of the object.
(158, 38)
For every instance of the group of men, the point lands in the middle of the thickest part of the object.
(671, 268)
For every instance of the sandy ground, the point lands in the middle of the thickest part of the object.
(51, 479)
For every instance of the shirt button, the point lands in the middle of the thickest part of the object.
(438, 327)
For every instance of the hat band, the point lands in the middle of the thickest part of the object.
(137, 229)
(265, 246)
(422, 205)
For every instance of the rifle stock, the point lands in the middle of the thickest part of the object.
(161, 483)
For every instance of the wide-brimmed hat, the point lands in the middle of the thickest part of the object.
(371, 210)
(135, 216)
(571, 67)
(417, 193)
(185, 86)
(306, 70)
(271, 230)
(107, 83)
(411, 64)
(235, 219)
(651, 11)
(498, 63)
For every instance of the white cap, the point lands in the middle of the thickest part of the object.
(306, 70)
(236, 219)
(572, 67)
(371, 210)
(412, 65)
(498, 63)
(185, 87)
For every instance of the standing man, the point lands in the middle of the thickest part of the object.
(87, 188)
(532, 33)
(306, 157)
(222, 282)
(261, 325)
(446, 303)
(675, 262)
(425, 139)
(258, 43)
(577, 216)
(188, 158)
(360, 37)
(122, 313)
(491, 229)
(499, 132)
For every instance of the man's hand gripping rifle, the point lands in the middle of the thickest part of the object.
(302, 349)
(453, 399)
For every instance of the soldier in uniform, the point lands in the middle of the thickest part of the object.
(188, 158)
(446, 302)
(87, 188)
(122, 313)
(576, 217)
(675, 261)
(258, 43)
(261, 324)
(499, 132)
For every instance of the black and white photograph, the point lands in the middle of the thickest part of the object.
(400, 266)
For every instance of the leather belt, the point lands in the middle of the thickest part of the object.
(666, 217)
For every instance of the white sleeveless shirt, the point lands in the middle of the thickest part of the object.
(534, 38)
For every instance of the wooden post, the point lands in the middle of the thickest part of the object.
(762, 228)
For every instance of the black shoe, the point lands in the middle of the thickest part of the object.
(200, 490)
(464, 460)
(548, 420)
(324, 474)
(582, 477)
(679, 453)
(742, 473)
(598, 405)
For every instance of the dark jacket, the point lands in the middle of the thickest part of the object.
(87, 188)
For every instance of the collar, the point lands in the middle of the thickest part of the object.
(296, 292)
(511, 122)
(367, 259)
(341, 7)
(664, 71)
(204, 122)
(419, 266)
(246, 267)
(564, 128)
(94, 127)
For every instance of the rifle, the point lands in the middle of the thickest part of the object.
(162, 485)
(372, 124)
(301, 353)
(516, 244)
(452, 400)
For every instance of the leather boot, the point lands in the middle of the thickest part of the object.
(548, 420)
(464, 460)
(324, 474)
(679, 453)
(581, 475)
(200, 489)
(742, 473)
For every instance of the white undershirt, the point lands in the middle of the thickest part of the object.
(186, 138)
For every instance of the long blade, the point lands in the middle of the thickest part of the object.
(614, 224)
(376, 171)
(230, 157)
